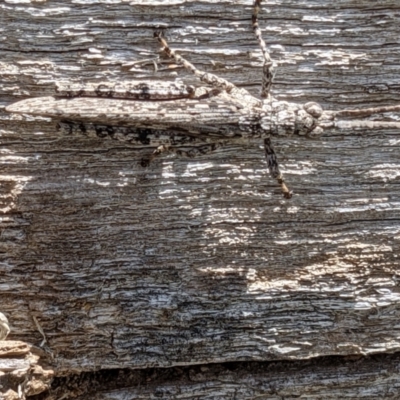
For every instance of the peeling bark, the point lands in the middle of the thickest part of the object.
(200, 261)
(23, 370)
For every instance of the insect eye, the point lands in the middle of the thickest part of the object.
(314, 109)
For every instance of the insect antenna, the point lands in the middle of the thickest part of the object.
(350, 123)
(268, 69)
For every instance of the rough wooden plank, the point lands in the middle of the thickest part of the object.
(199, 261)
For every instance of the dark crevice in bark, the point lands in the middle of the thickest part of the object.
(269, 378)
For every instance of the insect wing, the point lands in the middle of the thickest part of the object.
(213, 115)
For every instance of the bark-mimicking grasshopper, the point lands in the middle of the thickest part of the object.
(192, 121)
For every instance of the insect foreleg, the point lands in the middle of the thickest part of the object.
(191, 152)
(273, 167)
(211, 79)
(268, 70)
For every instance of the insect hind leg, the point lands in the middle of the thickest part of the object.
(211, 79)
(190, 152)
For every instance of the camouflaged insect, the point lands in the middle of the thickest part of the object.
(188, 120)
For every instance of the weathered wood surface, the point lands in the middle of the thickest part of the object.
(375, 377)
(199, 261)
(23, 370)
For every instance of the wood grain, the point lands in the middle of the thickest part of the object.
(200, 261)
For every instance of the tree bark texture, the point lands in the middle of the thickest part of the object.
(201, 261)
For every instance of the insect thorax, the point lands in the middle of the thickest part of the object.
(280, 118)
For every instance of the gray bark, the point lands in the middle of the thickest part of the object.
(201, 261)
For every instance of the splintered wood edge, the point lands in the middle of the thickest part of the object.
(20, 372)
